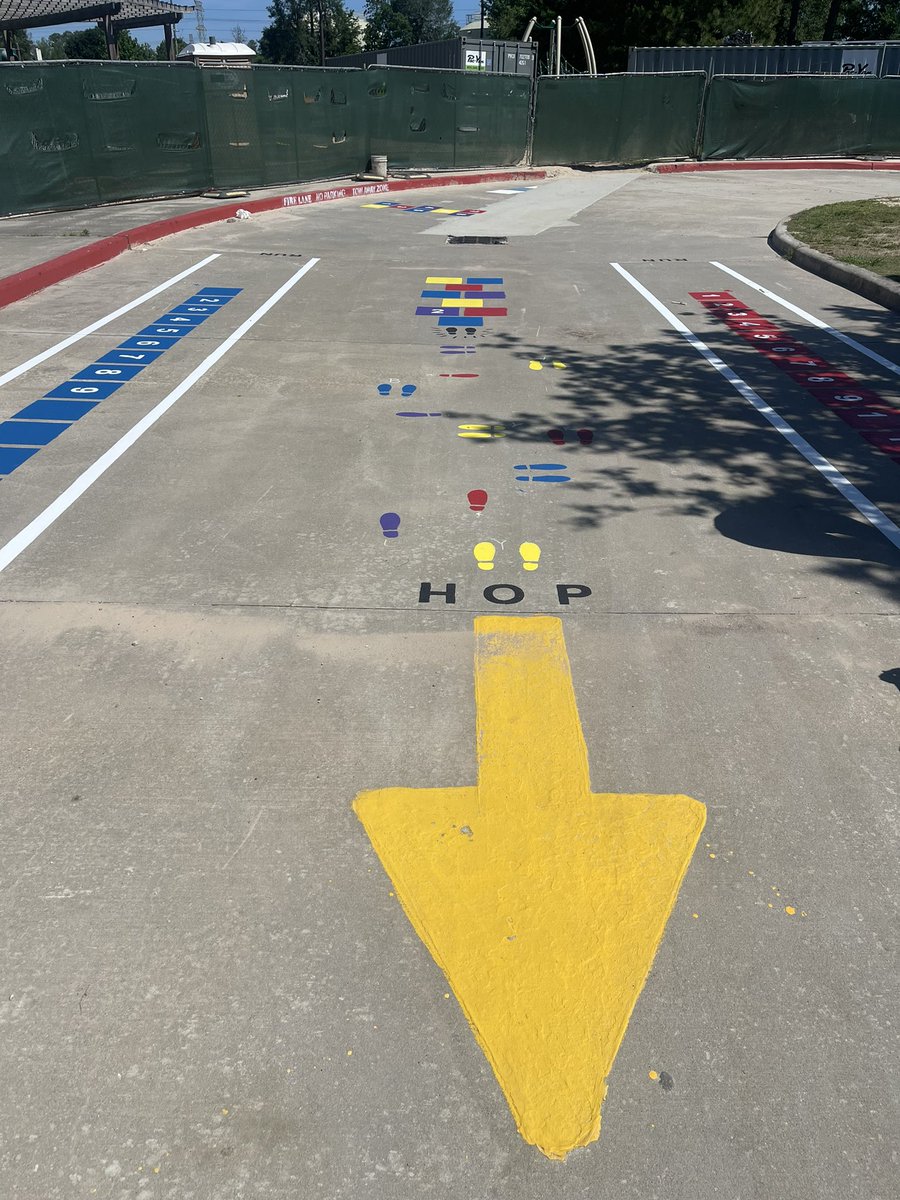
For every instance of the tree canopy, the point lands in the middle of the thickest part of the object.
(91, 43)
(293, 33)
(408, 22)
(615, 25)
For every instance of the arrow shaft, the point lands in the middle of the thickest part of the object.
(531, 751)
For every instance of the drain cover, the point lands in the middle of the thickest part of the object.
(477, 241)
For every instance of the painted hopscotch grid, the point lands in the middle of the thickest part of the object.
(457, 301)
(425, 208)
(40, 422)
(861, 408)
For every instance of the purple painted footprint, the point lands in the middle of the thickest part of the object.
(390, 524)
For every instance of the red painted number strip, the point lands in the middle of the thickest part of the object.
(860, 407)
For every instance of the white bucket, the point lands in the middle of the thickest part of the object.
(378, 165)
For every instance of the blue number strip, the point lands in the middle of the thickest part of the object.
(45, 419)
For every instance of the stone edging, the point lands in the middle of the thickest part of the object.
(856, 279)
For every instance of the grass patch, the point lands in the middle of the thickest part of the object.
(865, 233)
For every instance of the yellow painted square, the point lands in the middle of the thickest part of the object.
(444, 279)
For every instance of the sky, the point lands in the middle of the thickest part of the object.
(223, 15)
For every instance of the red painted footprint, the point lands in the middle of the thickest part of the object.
(558, 436)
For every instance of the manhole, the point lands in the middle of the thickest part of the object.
(477, 241)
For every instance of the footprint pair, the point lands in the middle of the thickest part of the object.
(534, 365)
(485, 552)
(558, 436)
(385, 389)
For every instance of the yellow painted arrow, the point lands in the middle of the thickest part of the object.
(542, 903)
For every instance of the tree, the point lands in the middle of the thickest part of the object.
(162, 55)
(408, 22)
(293, 35)
(615, 25)
(131, 50)
(91, 44)
(23, 46)
(82, 43)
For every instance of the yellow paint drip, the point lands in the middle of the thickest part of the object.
(542, 902)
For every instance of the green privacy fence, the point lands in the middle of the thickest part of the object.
(804, 116)
(78, 133)
(447, 118)
(617, 118)
(74, 134)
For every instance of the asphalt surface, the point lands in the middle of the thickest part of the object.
(208, 989)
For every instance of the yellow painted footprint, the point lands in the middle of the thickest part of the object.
(531, 553)
(484, 555)
(534, 365)
(481, 431)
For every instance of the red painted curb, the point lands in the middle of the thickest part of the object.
(44, 275)
(779, 164)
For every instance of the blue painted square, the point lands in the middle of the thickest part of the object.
(108, 372)
(147, 343)
(194, 310)
(169, 332)
(217, 291)
(178, 318)
(56, 410)
(214, 298)
(481, 279)
(29, 433)
(462, 322)
(130, 358)
(73, 390)
(10, 459)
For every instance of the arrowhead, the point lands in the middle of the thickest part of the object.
(542, 903)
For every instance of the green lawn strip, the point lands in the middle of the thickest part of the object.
(865, 233)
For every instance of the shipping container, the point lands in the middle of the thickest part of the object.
(487, 55)
(863, 59)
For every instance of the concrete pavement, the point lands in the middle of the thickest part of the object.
(210, 989)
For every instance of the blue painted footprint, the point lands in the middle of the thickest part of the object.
(385, 389)
(542, 478)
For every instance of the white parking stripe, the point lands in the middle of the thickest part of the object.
(841, 483)
(819, 324)
(15, 372)
(52, 512)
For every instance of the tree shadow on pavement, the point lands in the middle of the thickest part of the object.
(676, 438)
(882, 332)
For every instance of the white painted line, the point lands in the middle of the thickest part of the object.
(15, 372)
(819, 324)
(52, 512)
(841, 483)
